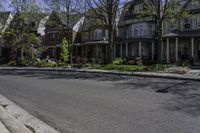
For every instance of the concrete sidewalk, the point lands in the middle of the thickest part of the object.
(3, 129)
(13, 119)
(191, 75)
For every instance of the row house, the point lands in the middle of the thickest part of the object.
(181, 37)
(136, 33)
(58, 27)
(93, 39)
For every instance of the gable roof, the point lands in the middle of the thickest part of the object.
(73, 19)
(4, 17)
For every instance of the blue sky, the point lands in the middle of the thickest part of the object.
(40, 2)
(6, 3)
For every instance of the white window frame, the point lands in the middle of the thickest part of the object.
(98, 34)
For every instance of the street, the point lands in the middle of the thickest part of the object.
(96, 103)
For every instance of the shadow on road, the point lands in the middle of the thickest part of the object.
(186, 94)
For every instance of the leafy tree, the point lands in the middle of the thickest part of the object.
(64, 51)
(21, 33)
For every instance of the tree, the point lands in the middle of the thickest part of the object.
(106, 11)
(21, 31)
(162, 10)
(64, 51)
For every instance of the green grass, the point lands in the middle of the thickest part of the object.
(121, 67)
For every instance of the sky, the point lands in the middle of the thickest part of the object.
(6, 4)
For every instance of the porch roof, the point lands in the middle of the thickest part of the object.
(95, 42)
(187, 33)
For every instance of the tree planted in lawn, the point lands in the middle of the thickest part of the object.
(64, 55)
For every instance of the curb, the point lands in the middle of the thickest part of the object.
(17, 120)
(138, 74)
(11, 123)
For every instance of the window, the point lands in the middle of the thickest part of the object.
(136, 30)
(53, 37)
(172, 24)
(127, 33)
(198, 22)
(187, 23)
(141, 30)
(98, 34)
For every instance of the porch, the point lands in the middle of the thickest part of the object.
(143, 49)
(181, 49)
(95, 52)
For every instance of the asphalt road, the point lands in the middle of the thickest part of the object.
(93, 103)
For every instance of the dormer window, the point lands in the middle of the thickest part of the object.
(187, 23)
(98, 34)
(198, 22)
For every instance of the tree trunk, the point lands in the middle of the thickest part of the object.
(159, 48)
(110, 46)
(22, 54)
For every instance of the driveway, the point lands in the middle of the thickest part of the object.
(97, 103)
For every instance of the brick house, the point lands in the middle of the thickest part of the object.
(56, 28)
(136, 33)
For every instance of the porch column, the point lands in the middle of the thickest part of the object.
(97, 51)
(140, 49)
(82, 51)
(152, 50)
(167, 50)
(126, 49)
(114, 51)
(0, 50)
(106, 51)
(161, 51)
(76, 50)
(176, 49)
(85, 50)
(121, 50)
(192, 47)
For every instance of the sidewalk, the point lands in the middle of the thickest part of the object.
(191, 75)
(14, 119)
(3, 129)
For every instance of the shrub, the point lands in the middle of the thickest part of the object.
(12, 63)
(117, 61)
(123, 67)
(64, 55)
